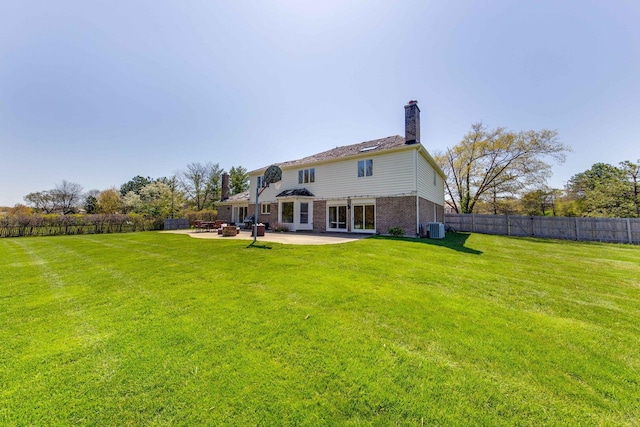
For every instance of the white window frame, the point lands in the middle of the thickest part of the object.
(365, 168)
(293, 211)
(363, 203)
(302, 214)
(306, 176)
(337, 206)
(265, 208)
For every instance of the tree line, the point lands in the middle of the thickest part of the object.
(489, 171)
(504, 172)
(194, 189)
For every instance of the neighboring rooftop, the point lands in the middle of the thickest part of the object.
(237, 197)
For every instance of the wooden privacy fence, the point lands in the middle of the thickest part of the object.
(614, 230)
(176, 224)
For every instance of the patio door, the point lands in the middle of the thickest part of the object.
(337, 218)
(239, 214)
(364, 218)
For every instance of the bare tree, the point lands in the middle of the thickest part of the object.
(67, 196)
(201, 183)
(41, 201)
(495, 162)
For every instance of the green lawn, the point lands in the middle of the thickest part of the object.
(162, 329)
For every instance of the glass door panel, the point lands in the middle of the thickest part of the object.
(338, 217)
(370, 217)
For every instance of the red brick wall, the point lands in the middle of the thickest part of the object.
(224, 213)
(440, 213)
(319, 215)
(396, 212)
(270, 218)
(426, 211)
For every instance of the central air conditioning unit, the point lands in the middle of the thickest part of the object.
(436, 230)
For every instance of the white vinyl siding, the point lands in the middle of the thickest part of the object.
(426, 188)
(394, 174)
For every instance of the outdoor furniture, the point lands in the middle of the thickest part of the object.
(260, 229)
(230, 230)
(208, 225)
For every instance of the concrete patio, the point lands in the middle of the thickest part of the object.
(288, 238)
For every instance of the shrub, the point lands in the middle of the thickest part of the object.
(396, 231)
(280, 227)
(55, 224)
(203, 215)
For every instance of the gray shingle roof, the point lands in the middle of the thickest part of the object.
(296, 192)
(350, 150)
(239, 197)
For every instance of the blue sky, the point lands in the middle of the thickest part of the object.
(99, 92)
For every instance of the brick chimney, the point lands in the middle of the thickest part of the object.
(225, 187)
(411, 123)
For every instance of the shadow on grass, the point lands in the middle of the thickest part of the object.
(454, 241)
(251, 245)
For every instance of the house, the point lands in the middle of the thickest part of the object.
(369, 187)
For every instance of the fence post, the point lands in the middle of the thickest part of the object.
(473, 223)
(508, 226)
(629, 231)
(531, 225)
(577, 230)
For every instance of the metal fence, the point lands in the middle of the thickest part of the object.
(614, 230)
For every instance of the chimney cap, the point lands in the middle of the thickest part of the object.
(412, 102)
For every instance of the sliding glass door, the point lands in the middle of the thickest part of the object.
(337, 218)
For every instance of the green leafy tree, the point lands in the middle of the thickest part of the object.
(603, 191)
(238, 179)
(109, 201)
(632, 173)
(495, 163)
(131, 202)
(214, 184)
(156, 200)
(177, 195)
(540, 202)
(91, 204)
(135, 184)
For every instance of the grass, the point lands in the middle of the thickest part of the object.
(160, 329)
